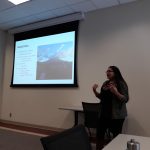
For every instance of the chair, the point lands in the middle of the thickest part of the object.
(75, 138)
(91, 114)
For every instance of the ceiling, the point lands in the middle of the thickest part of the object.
(12, 16)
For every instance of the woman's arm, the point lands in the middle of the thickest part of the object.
(122, 94)
(97, 94)
(104, 87)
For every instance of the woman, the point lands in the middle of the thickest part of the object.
(113, 96)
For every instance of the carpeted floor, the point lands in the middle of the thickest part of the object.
(12, 140)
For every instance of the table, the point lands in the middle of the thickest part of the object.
(76, 110)
(120, 142)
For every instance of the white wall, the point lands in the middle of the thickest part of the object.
(2, 48)
(114, 36)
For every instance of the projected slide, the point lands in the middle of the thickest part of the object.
(55, 61)
(45, 60)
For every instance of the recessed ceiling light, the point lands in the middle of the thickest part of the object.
(16, 2)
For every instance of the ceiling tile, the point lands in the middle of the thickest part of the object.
(30, 19)
(69, 2)
(105, 3)
(11, 24)
(4, 4)
(126, 1)
(83, 6)
(46, 4)
(30, 8)
(38, 10)
(10, 15)
(45, 15)
(62, 11)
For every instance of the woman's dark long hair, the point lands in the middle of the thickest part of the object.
(118, 76)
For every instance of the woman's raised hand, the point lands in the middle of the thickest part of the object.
(95, 86)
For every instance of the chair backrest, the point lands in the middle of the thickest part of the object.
(91, 114)
(75, 138)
